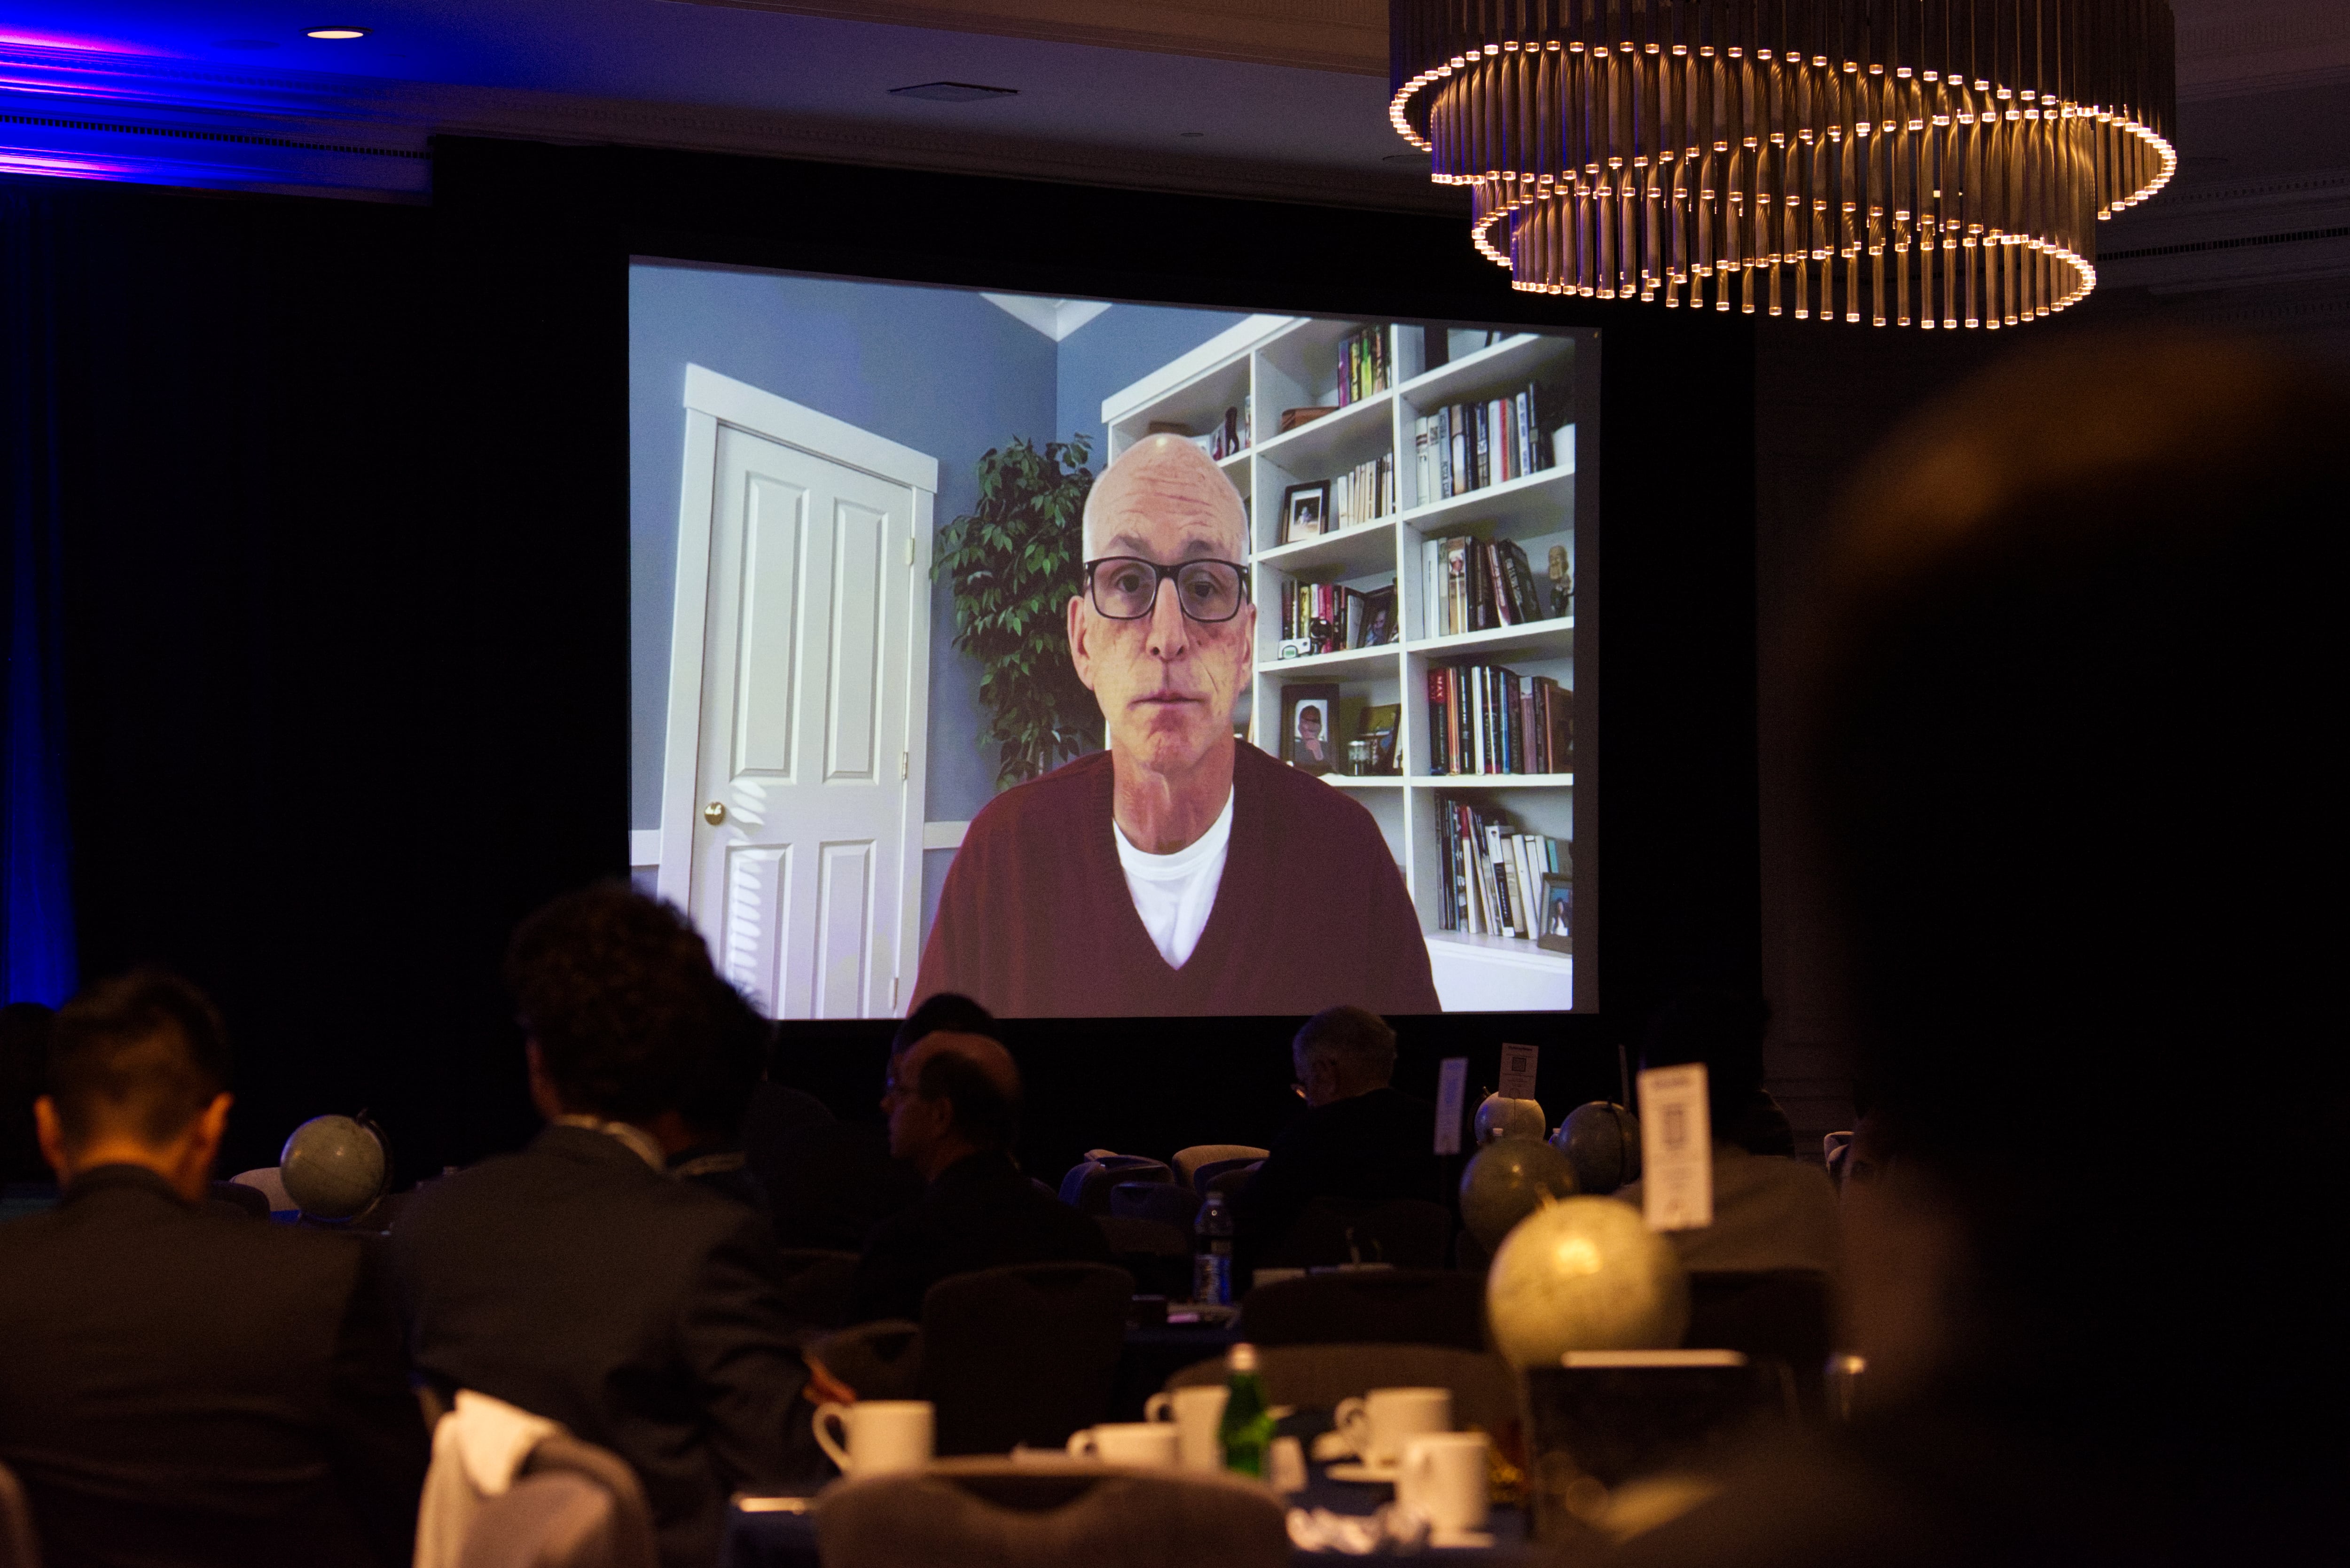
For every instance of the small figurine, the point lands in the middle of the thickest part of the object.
(1562, 584)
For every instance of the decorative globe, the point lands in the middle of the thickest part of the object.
(1602, 1141)
(1585, 1274)
(1500, 1118)
(333, 1168)
(1508, 1181)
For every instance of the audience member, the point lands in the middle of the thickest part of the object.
(576, 1280)
(830, 1182)
(178, 1385)
(2076, 1352)
(1769, 1210)
(953, 1103)
(1360, 1137)
(25, 1029)
(702, 1137)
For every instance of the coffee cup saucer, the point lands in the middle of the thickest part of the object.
(1367, 1471)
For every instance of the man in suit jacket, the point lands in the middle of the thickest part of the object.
(179, 1385)
(1360, 1137)
(954, 1101)
(580, 1281)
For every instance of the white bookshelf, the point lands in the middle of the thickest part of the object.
(1282, 362)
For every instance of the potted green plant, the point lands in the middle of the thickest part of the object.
(1014, 562)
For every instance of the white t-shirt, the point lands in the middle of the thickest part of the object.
(1174, 893)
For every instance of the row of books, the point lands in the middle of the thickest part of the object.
(1363, 369)
(1363, 493)
(1323, 617)
(1494, 881)
(1484, 719)
(1472, 584)
(1463, 447)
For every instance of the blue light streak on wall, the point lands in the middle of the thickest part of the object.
(36, 927)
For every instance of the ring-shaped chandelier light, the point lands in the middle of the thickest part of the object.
(1935, 163)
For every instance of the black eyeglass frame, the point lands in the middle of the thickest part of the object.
(1161, 573)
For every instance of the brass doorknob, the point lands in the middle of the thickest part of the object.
(714, 813)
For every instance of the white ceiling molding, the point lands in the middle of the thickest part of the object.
(1345, 36)
(365, 136)
(1056, 318)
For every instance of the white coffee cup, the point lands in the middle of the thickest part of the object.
(1443, 1478)
(1197, 1414)
(1139, 1443)
(879, 1437)
(1378, 1426)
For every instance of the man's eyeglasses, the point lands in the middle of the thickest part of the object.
(1125, 588)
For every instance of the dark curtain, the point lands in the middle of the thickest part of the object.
(342, 659)
(36, 923)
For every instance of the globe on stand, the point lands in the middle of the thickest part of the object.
(1498, 1116)
(1602, 1141)
(333, 1167)
(1508, 1181)
(1585, 1274)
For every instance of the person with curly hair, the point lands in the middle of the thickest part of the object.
(581, 1281)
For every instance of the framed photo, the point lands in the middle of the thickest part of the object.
(1379, 725)
(1309, 725)
(1305, 510)
(1557, 914)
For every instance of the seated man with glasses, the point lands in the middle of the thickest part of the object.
(1180, 872)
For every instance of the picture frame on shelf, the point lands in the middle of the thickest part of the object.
(1305, 511)
(1309, 723)
(1379, 724)
(1378, 618)
(1557, 914)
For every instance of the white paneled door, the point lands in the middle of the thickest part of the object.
(806, 807)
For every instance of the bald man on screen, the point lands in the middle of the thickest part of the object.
(1180, 872)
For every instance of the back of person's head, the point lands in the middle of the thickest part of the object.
(617, 991)
(718, 1097)
(24, 1029)
(973, 1074)
(1355, 1041)
(946, 1010)
(1721, 1026)
(139, 1058)
(2068, 762)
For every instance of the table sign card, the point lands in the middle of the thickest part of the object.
(1675, 1149)
(1518, 1071)
(1451, 1088)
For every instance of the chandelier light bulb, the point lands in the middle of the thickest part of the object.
(1926, 163)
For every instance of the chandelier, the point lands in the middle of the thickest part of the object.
(1935, 163)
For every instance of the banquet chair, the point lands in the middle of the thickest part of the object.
(1022, 1354)
(1086, 1186)
(1159, 1255)
(574, 1505)
(1380, 1306)
(1194, 1165)
(1169, 1203)
(1408, 1233)
(984, 1513)
(1316, 1377)
(20, 1547)
(1231, 1179)
(1787, 1315)
(817, 1285)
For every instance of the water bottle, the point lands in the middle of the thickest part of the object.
(1212, 1253)
(1246, 1430)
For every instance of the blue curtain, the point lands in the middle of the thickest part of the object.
(37, 924)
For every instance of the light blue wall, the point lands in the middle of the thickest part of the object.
(939, 370)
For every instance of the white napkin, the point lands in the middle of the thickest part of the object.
(476, 1449)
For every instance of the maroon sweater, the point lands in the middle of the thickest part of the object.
(1035, 920)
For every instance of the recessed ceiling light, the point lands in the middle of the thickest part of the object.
(337, 33)
(954, 92)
